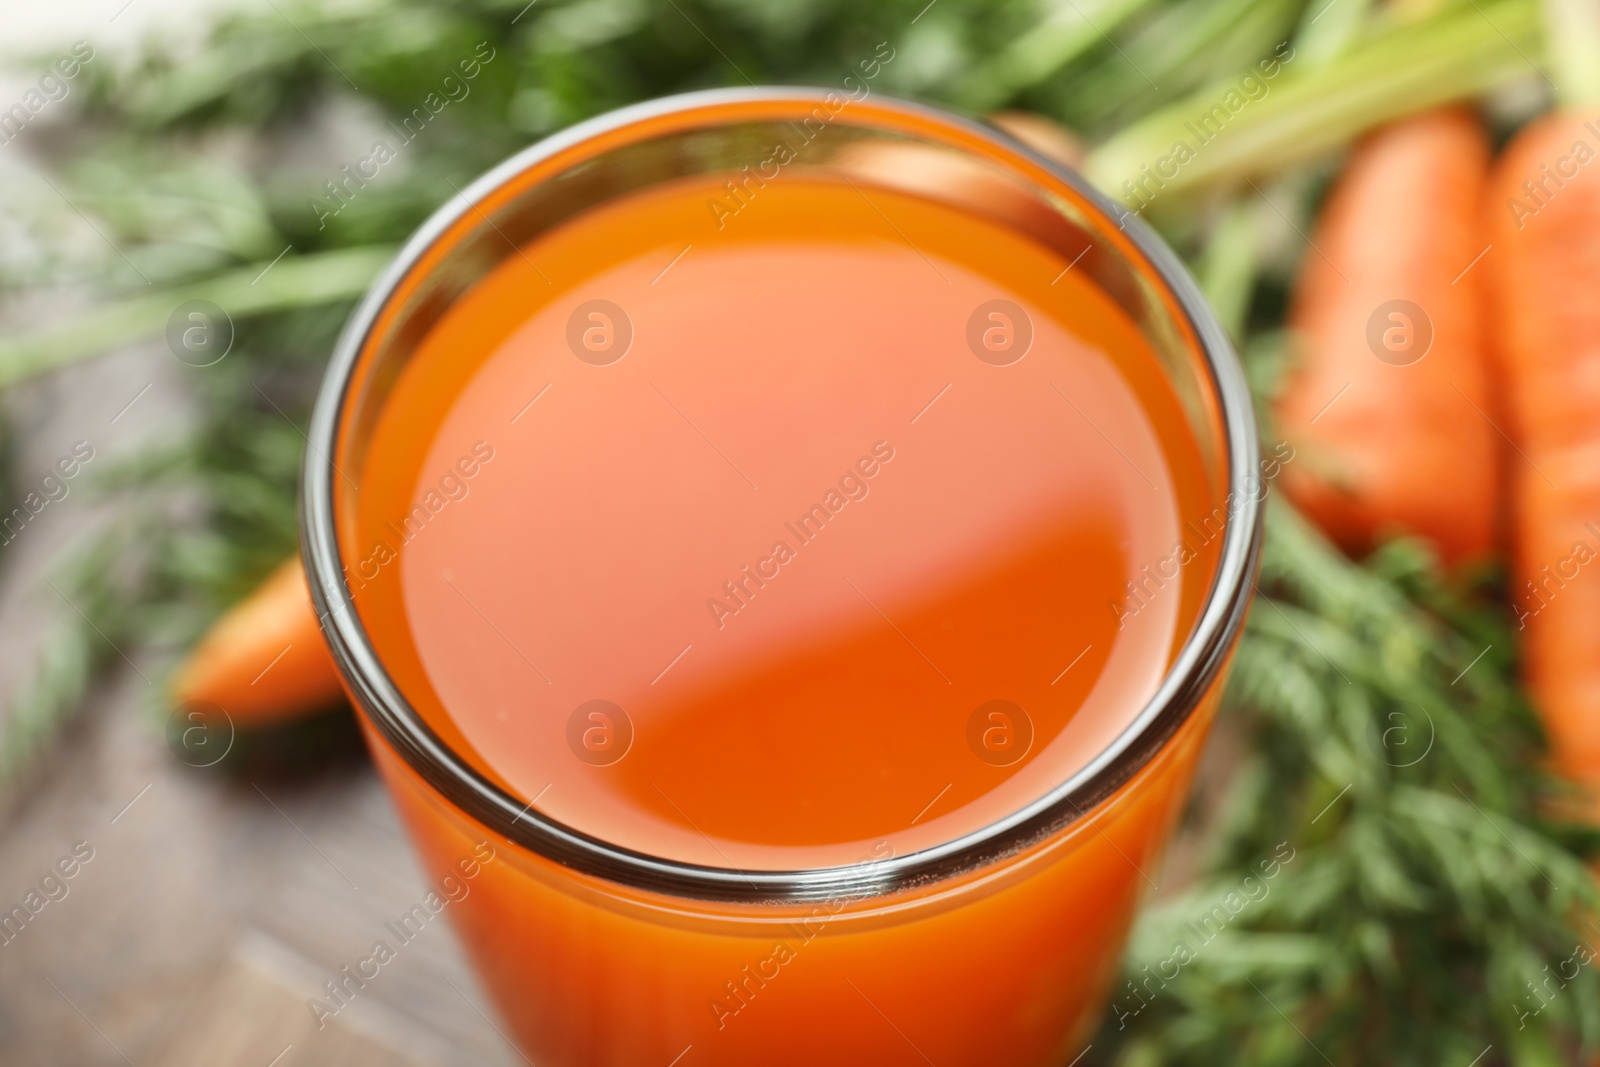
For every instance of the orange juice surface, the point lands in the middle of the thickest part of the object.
(840, 525)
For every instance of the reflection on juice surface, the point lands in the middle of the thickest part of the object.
(786, 543)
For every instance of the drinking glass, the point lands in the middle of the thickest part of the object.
(998, 947)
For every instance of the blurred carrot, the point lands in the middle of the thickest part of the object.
(1045, 136)
(1389, 409)
(265, 661)
(1544, 218)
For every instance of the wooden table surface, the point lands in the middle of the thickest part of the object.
(213, 908)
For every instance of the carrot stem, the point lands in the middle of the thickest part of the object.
(1066, 33)
(298, 281)
(1404, 69)
(1572, 29)
(1329, 28)
(1226, 269)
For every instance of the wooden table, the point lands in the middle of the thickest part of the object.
(213, 908)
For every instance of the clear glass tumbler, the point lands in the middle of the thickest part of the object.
(997, 947)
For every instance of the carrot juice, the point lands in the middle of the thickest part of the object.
(751, 535)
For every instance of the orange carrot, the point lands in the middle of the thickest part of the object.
(1389, 410)
(1544, 212)
(265, 661)
(1543, 207)
(955, 177)
(1045, 136)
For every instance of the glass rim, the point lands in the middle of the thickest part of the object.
(1196, 666)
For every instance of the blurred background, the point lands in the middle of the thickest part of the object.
(1435, 908)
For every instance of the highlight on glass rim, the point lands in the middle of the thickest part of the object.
(672, 533)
